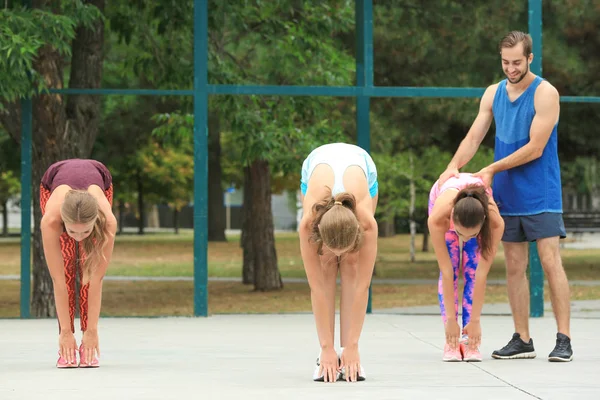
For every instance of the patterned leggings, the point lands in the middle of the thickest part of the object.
(470, 260)
(68, 250)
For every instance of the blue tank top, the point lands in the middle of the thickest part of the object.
(534, 187)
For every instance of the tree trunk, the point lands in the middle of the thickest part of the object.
(216, 208)
(387, 227)
(425, 248)
(5, 219)
(246, 239)
(121, 215)
(63, 128)
(411, 211)
(176, 220)
(141, 206)
(262, 238)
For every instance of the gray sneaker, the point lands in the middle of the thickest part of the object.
(562, 351)
(516, 348)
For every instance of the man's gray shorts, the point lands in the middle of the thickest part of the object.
(529, 228)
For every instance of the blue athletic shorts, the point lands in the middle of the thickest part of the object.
(529, 228)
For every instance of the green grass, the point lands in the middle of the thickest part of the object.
(176, 298)
(172, 255)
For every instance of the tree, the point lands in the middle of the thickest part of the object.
(282, 42)
(155, 38)
(38, 47)
(450, 44)
(10, 185)
(288, 43)
(126, 127)
(170, 166)
(571, 61)
(405, 180)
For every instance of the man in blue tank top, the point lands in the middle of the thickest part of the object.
(526, 185)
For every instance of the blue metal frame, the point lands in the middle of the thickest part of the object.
(26, 146)
(363, 91)
(201, 159)
(536, 272)
(329, 91)
(364, 80)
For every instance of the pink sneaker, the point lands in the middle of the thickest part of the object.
(83, 363)
(470, 355)
(62, 363)
(451, 355)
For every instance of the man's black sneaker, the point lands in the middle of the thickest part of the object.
(562, 351)
(516, 348)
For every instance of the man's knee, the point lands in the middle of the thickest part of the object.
(549, 252)
(516, 258)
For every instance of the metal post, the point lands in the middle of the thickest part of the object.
(536, 273)
(364, 78)
(26, 135)
(200, 157)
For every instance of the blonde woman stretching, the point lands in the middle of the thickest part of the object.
(338, 231)
(78, 229)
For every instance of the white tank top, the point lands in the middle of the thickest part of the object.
(339, 156)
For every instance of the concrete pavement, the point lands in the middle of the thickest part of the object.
(272, 357)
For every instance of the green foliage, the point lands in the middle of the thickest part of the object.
(581, 176)
(280, 42)
(395, 172)
(10, 186)
(481, 159)
(449, 43)
(169, 170)
(289, 44)
(24, 32)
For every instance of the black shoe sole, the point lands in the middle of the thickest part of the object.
(517, 356)
(359, 379)
(560, 359)
(340, 379)
(322, 380)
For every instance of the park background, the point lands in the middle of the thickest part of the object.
(256, 143)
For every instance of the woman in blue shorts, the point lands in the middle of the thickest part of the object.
(338, 231)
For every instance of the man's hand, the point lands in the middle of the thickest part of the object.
(486, 175)
(447, 174)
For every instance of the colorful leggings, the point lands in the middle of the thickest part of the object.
(470, 259)
(68, 250)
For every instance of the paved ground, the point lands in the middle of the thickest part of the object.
(579, 309)
(272, 357)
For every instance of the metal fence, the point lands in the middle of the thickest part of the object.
(362, 91)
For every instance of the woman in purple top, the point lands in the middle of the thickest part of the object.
(463, 211)
(78, 229)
